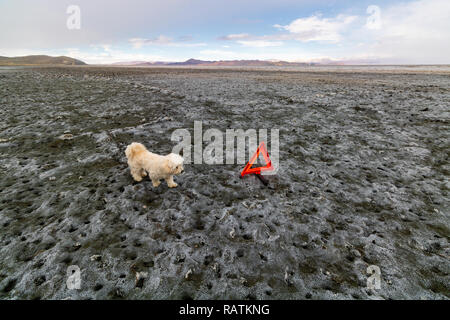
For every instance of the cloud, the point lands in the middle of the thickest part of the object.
(138, 43)
(260, 43)
(185, 38)
(414, 32)
(235, 36)
(313, 28)
(316, 28)
(104, 47)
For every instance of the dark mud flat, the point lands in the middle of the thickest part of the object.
(364, 180)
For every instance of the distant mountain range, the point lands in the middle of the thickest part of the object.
(36, 60)
(39, 60)
(232, 63)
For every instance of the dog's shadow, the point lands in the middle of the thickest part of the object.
(161, 189)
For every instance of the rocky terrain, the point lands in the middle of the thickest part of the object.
(363, 180)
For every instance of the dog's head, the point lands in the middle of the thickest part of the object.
(175, 163)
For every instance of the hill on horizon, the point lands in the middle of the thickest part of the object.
(35, 60)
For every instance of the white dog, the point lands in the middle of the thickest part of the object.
(141, 162)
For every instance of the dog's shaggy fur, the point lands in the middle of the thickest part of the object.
(141, 162)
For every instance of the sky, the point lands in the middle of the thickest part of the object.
(108, 31)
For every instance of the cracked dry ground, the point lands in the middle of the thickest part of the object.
(363, 180)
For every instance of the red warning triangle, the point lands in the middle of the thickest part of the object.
(248, 168)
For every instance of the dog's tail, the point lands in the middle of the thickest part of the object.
(134, 149)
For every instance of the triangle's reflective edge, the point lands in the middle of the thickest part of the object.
(248, 168)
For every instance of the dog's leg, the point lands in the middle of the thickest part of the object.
(136, 174)
(143, 172)
(156, 183)
(171, 183)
